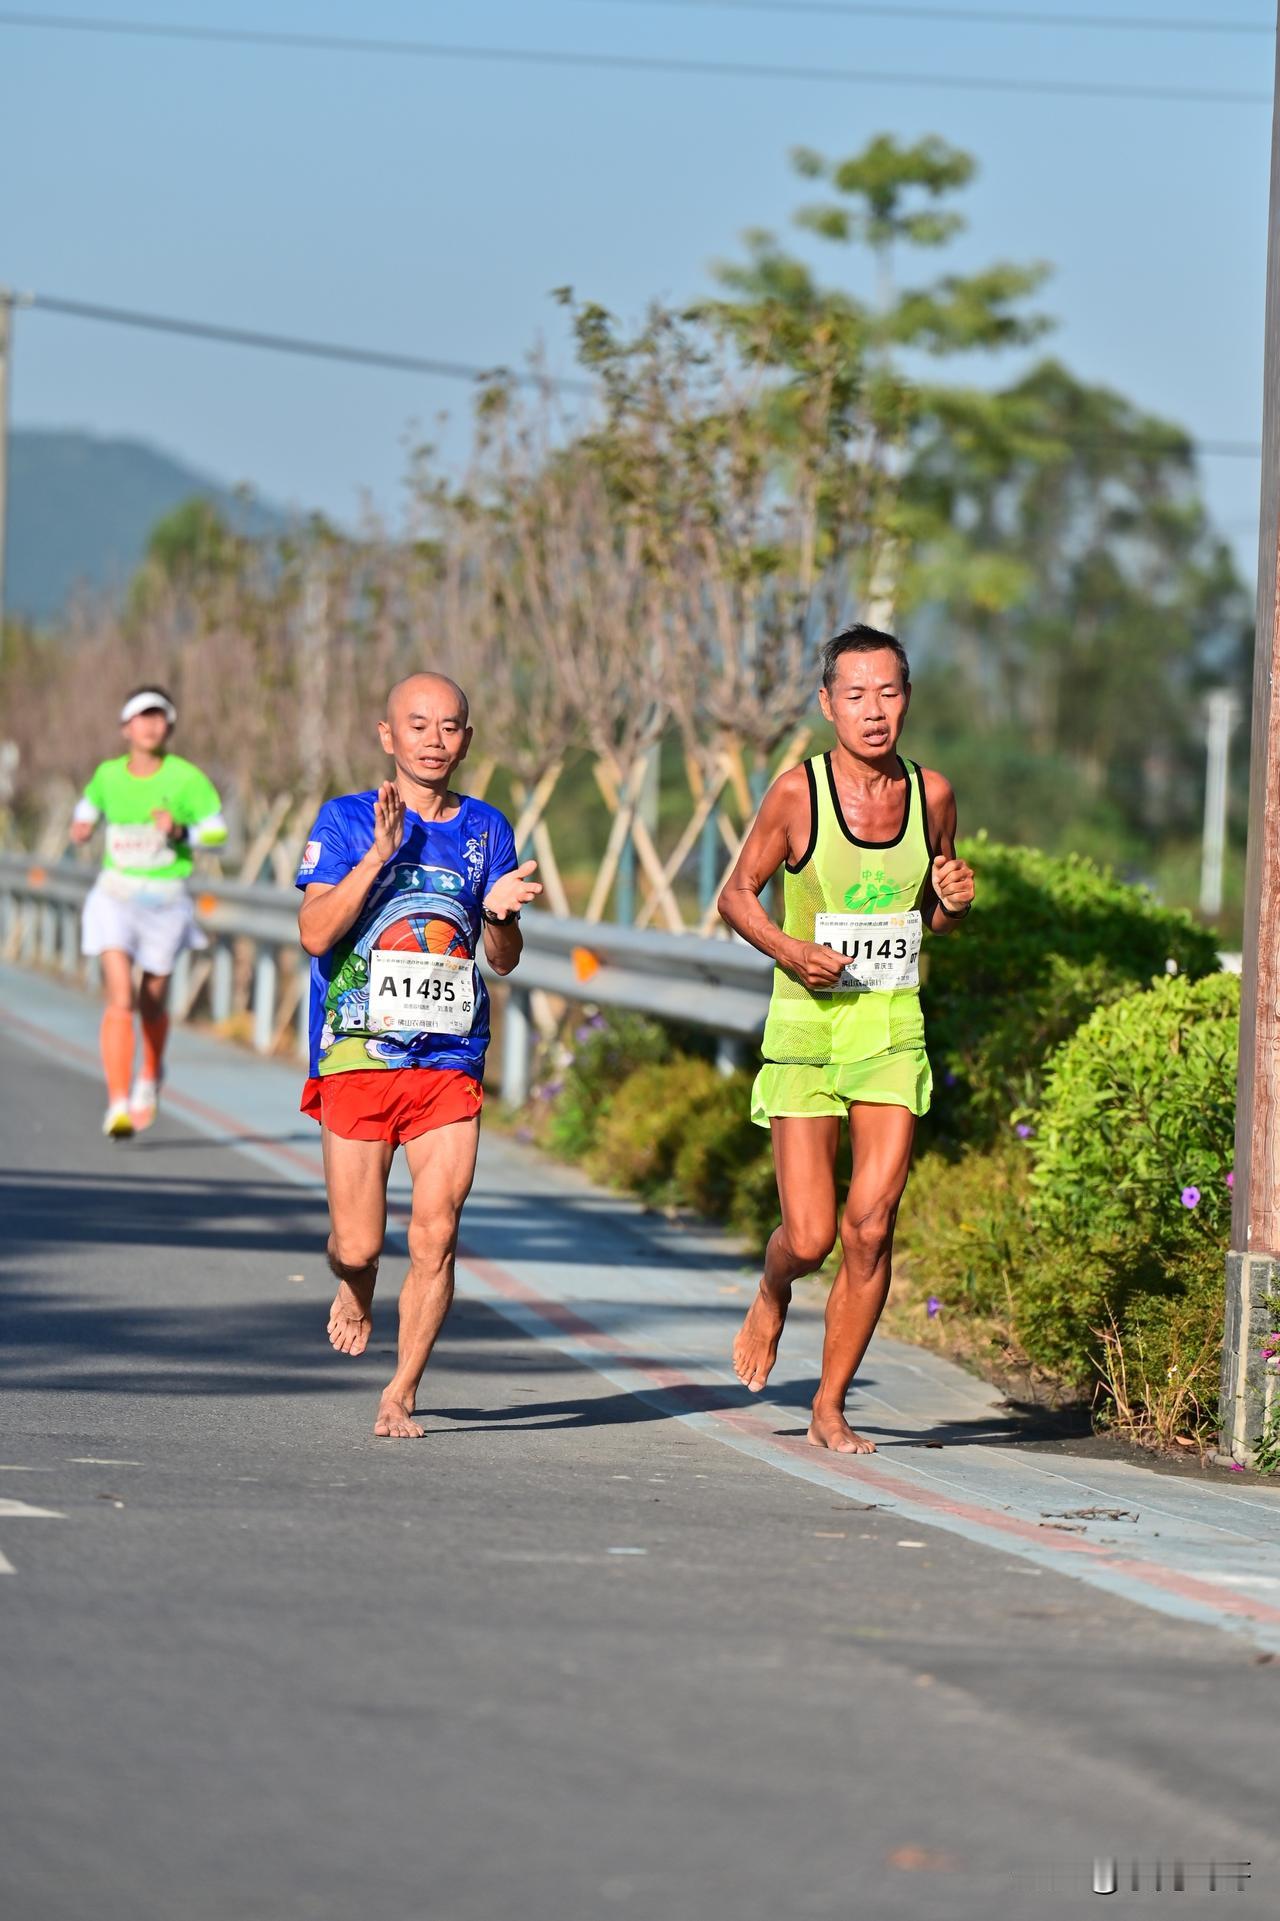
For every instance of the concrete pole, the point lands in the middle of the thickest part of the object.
(1253, 1264)
(1220, 714)
(6, 353)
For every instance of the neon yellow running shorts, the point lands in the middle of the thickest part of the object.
(900, 1077)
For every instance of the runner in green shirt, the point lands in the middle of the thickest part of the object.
(866, 842)
(156, 807)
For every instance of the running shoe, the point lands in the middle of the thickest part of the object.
(143, 1102)
(118, 1124)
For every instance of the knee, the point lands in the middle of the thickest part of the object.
(351, 1253)
(431, 1240)
(866, 1232)
(808, 1243)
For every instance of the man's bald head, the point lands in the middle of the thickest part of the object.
(425, 687)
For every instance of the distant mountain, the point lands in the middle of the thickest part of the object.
(81, 508)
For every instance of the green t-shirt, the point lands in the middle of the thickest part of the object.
(126, 802)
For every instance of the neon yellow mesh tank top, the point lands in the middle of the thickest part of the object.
(840, 874)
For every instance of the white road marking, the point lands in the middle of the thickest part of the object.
(98, 1460)
(11, 1510)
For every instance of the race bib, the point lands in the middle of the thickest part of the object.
(416, 993)
(882, 950)
(139, 846)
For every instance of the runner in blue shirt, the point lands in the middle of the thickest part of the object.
(399, 886)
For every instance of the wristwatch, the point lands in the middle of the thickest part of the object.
(499, 920)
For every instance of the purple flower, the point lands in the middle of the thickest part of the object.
(1231, 1178)
(549, 1090)
(1191, 1197)
(933, 1306)
(1024, 1132)
(949, 1079)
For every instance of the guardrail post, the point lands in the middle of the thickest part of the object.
(220, 982)
(181, 985)
(264, 999)
(48, 923)
(731, 1054)
(517, 1046)
(69, 942)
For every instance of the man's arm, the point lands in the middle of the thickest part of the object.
(950, 890)
(763, 852)
(331, 909)
(504, 945)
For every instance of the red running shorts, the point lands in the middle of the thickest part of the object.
(392, 1104)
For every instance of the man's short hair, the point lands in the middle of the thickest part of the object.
(859, 639)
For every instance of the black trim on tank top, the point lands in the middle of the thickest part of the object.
(807, 856)
(843, 824)
(929, 847)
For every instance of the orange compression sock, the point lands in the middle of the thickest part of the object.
(116, 1040)
(155, 1032)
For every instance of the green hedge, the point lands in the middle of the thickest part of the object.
(1072, 1212)
(1049, 940)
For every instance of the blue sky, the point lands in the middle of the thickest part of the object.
(430, 207)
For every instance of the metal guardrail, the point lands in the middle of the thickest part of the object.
(255, 966)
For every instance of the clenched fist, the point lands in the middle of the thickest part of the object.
(952, 881)
(814, 964)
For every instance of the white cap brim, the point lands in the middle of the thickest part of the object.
(147, 703)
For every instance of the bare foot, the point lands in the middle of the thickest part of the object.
(350, 1322)
(833, 1431)
(395, 1420)
(756, 1348)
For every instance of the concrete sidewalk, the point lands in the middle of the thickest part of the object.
(653, 1307)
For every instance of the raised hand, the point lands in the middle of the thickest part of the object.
(164, 822)
(388, 822)
(513, 891)
(952, 881)
(81, 830)
(813, 963)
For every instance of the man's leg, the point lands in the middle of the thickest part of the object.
(443, 1165)
(355, 1175)
(804, 1161)
(881, 1137)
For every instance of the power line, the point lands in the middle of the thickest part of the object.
(450, 369)
(289, 343)
(635, 63)
(965, 16)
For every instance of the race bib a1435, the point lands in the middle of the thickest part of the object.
(419, 993)
(882, 951)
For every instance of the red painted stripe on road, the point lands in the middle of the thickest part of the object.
(570, 1322)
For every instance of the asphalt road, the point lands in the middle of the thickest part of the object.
(565, 1657)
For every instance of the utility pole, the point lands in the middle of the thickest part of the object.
(1220, 717)
(1249, 1386)
(6, 353)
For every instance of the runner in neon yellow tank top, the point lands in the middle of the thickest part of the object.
(866, 844)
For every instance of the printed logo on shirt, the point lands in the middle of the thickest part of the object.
(310, 855)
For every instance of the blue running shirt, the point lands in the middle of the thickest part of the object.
(426, 898)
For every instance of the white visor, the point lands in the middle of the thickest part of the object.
(147, 702)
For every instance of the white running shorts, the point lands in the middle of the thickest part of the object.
(152, 930)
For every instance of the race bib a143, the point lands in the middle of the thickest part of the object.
(419, 993)
(882, 951)
(141, 846)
